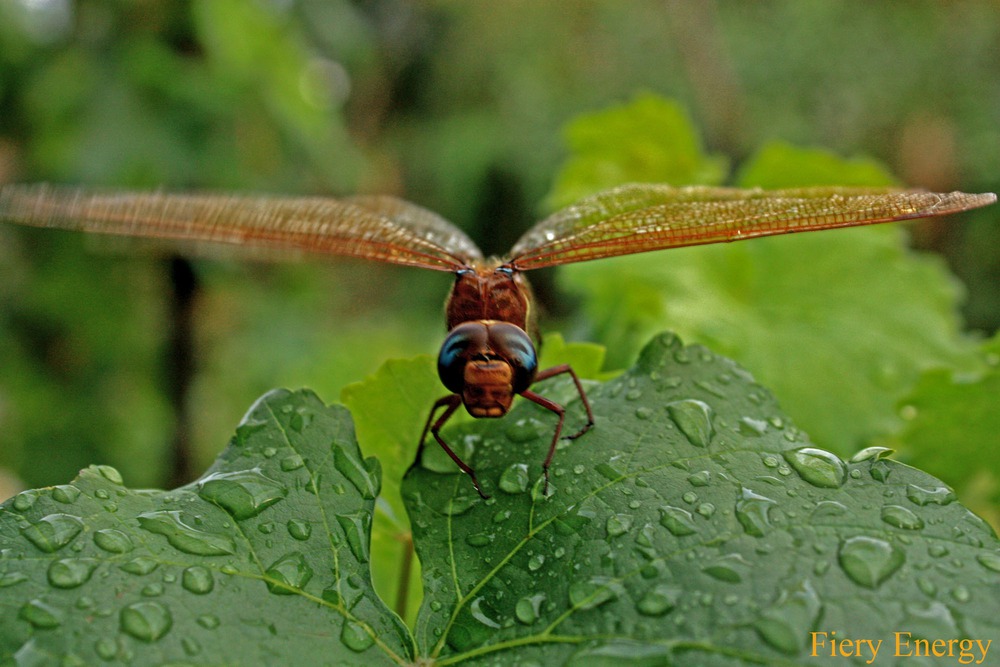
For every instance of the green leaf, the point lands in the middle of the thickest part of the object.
(647, 139)
(692, 525)
(264, 558)
(780, 164)
(951, 421)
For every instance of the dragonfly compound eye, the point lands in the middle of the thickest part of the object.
(465, 342)
(510, 343)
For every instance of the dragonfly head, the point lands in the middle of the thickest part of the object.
(487, 362)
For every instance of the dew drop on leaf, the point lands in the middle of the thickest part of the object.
(146, 621)
(869, 561)
(694, 419)
(618, 524)
(528, 609)
(288, 574)
(65, 493)
(355, 637)
(53, 532)
(939, 495)
(110, 474)
(658, 600)
(990, 560)
(357, 472)
(752, 512)
(71, 572)
(785, 624)
(244, 493)
(514, 479)
(299, 529)
(818, 467)
(40, 614)
(535, 562)
(197, 579)
(292, 462)
(140, 565)
(25, 500)
(356, 526)
(106, 648)
(901, 517)
(678, 521)
(181, 536)
(113, 541)
(479, 539)
(592, 593)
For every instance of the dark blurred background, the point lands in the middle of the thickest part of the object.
(110, 352)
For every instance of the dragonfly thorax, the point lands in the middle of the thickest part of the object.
(487, 362)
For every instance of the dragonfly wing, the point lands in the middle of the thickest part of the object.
(644, 217)
(384, 229)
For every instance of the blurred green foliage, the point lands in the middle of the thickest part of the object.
(458, 106)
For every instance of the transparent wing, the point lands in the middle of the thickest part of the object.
(380, 228)
(643, 217)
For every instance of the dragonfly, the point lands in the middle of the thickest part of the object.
(489, 354)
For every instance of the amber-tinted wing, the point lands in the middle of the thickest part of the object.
(380, 228)
(643, 217)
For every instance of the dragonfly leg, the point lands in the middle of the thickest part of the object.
(450, 403)
(559, 370)
(548, 404)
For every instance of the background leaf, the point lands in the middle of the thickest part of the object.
(693, 525)
(265, 556)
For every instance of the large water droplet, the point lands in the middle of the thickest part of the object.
(618, 524)
(658, 600)
(990, 560)
(299, 529)
(361, 474)
(479, 539)
(140, 565)
(181, 536)
(752, 512)
(40, 614)
(678, 521)
(355, 637)
(901, 517)
(728, 568)
(110, 474)
(694, 419)
(356, 528)
(113, 541)
(146, 621)
(785, 624)
(869, 561)
(65, 493)
(514, 479)
(12, 578)
(288, 574)
(25, 500)
(818, 467)
(198, 580)
(939, 495)
(528, 609)
(51, 533)
(71, 572)
(244, 493)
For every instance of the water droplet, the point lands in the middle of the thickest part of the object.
(700, 478)
(827, 509)
(482, 612)
(146, 621)
(694, 419)
(40, 614)
(753, 428)
(12, 578)
(181, 536)
(643, 413)
(244, 493)
(141, 565)
(25, 500)
(706, 510)
(528, 609)
(752, 512)
(152, 590)
(785, 624)
(208, 621)
(871, 454)
(65, 493)
(299, 529)
(593, 592)
(479, 539)
(355, 637)
(356, 528)
(106, 648)
(113, 541)
(990, 560)
(514, 479)
(727, 568)
(618, 524)
(900, 517)
(939, 495)
(818, 467)
(678, 521)
(110, 474)
(961, 594)
(363, 475)
(71, 572)
(292, 462)
(535, 562)
(501, 516)
(198, 580)
(658, 600)
(869, 561)
(51, 533)
(524, 430)
(288, 574)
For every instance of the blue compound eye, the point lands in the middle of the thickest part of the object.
(512, 344)
(462, 344)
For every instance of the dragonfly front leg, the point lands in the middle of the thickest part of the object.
(451, 402)
(559, 370)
